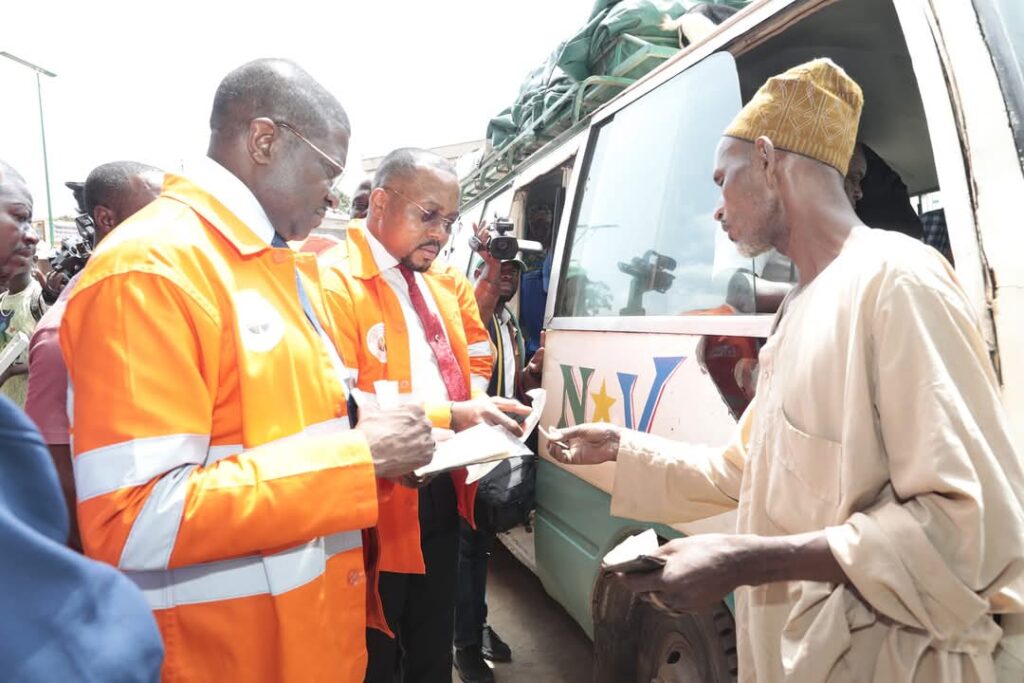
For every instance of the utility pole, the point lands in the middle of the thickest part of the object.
(40, 71)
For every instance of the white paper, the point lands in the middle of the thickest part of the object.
(538, 398)
(13, 350)
(480, 470)
(387, 394)
(644, 543)
(480, 443)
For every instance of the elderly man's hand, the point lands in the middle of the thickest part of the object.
(699, 571)
(585, 444)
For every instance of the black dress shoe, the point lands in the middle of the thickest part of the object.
(493, 647)
(471, 666)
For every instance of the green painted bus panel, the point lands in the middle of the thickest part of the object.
(573, 529)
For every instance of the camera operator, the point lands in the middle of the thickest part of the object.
(112, 193)
(497, 281)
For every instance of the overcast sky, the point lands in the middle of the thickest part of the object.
(135, 80)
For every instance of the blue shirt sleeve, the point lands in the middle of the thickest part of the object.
(65, 617)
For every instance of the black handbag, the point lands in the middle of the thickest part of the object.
(506, 495)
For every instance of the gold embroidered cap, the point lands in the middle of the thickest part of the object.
(812, 109)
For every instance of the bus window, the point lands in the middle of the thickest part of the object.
(457, 252)
(544, 200)
(1003, 24)
(499, 206)
(643, 240)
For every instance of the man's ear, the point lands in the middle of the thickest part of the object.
(104, 219)
(765, 158)
(378, 202)
(262, 135)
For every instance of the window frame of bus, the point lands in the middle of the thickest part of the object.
(1007, 47)
(739, 325)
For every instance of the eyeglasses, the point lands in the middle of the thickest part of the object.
(429, 216)
(340, 168)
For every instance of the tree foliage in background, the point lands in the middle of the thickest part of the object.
(344, 204)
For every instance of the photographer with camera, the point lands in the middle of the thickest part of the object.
(111, 193)
(497, 281)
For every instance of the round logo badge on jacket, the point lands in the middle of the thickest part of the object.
(260, 324)
(375, 342)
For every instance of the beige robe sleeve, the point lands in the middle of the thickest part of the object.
(933, 554)
(660, 480)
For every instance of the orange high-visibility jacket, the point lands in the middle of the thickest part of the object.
(372, 337)
(213, 460)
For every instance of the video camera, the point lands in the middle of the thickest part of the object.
(73, 255)
(74, 251)
(503, 244)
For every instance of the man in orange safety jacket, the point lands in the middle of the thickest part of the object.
(213, 458)
(402, 317)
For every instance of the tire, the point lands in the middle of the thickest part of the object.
(635, 641)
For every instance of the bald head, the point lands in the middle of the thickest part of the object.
(277, 89)
(116, 190)
(285, 137)
(9, 174)
(404, 164)
(112, 184)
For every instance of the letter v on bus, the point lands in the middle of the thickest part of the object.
(576, 392)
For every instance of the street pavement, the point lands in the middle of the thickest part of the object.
(547, 645)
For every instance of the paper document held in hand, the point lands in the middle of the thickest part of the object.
(484, 443)
(14, 348)
(634, 554)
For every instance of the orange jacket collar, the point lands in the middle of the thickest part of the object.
(361, 263)
(216, 214)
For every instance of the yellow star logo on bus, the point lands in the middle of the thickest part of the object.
(602, 404)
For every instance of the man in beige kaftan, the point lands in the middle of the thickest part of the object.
(880, 519)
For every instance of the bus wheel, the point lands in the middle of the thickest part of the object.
(635, 641)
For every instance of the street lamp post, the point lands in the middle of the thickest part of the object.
(40, 71)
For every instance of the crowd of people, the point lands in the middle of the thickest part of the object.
(202, 480)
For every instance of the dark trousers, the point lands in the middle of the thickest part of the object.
(471, 596)
(420, 608)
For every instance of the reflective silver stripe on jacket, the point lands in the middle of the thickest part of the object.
(242, 577)
(154, 531)
(133, 463)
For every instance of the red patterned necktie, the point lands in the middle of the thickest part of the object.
(451, 373)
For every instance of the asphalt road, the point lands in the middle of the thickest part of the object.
(547, 645)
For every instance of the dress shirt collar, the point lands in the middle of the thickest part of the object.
(381, 255)
(230, 191)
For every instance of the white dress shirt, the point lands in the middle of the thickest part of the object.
(427, 382)
(508, 354)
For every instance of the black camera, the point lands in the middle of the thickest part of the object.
(74, 251)
(73, 255)
(504, 245)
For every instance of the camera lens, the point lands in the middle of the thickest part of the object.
(503, 247)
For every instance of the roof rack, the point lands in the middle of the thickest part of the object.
(624, 61)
